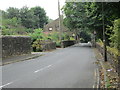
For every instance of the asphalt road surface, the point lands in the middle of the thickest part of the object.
(72, 67)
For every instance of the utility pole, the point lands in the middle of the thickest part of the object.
(59, 20)
(104, 38)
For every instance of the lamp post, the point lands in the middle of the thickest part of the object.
(104, 38)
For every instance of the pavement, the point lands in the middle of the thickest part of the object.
(19, 58)
(72, 67)
(107, 70)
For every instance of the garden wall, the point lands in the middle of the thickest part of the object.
(41, 45)
(15, 45)
(47, 46)
(68, 43)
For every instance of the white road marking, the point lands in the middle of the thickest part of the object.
(42, 69)
(95, 72)
(6, 84)
(46, 67)
(94, 78)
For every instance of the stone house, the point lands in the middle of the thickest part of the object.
(54, 27)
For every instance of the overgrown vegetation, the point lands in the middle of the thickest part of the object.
(23, 21)
(115, 35)
(39, 37)
(88, 17)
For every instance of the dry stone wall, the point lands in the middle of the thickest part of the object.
(15, 45)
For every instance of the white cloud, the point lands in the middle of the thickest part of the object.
(50, 6)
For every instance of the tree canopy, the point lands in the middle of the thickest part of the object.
(24, 20)
(89, 16)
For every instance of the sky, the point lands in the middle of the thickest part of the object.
(50, 6)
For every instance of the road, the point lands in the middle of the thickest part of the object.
(72, 67)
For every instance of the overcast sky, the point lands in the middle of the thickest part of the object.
(50, 6)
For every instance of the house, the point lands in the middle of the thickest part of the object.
(54, 27)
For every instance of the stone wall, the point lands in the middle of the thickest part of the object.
(15, 45)
(68, 43)
(41, 45)
(47, 46)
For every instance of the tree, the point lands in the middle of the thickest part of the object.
(94, 14)
(13, 12)
(81, 16)
(75, 17)
(24, 20)
(34, 17)
(39, 17)
(27, 17)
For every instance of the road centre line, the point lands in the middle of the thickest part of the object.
(6, 84)
(34, 72)
(42, 69)
(46, 67)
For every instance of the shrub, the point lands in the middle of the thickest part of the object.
(115, 36)
(37, 45)
(37, 34)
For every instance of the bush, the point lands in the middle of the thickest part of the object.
(37, 34)
(110, 49)
(13, 27)
(37, 45)
(115, 36)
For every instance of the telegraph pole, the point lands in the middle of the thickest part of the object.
(104, 38)
(59, 20)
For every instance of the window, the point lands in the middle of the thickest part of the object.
(50, 29)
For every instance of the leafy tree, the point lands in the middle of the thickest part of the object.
(13, 12)
(23, 21)
(27, 17)
(95, 13)
(75, 16)
(81, 16)
(34, 17)
(85, 36)
(39, 17)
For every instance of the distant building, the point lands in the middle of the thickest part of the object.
(54, 27)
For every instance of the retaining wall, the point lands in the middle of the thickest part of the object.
(47, 46)
(41, 45)
(68, 43)
(15, 45)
